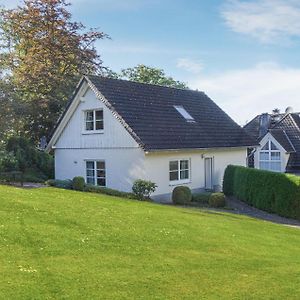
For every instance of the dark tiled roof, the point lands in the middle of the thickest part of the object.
(283, 139)
(286, 130)
(149, 112)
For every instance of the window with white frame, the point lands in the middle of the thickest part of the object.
(270, 157)
(179, 170)
(93, 120)
(95, 172)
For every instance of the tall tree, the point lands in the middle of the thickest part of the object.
(45, 52)
(146, 74)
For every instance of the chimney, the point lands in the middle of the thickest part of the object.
(264, 123)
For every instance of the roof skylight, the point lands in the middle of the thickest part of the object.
(184, 113)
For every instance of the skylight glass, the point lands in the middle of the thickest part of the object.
(184, 113)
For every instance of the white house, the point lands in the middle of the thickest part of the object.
(115, 131)
(278, 136)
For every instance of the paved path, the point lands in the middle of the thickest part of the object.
(240, 207)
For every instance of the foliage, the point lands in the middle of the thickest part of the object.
(108, 191)
(28, 157)
(8, 161)
(44, 52)
(63, 184)
(181, 195)
(78, 183)
(146, 74)
(273, 192)
(217, 200)
(12, 176)
(228, 180)
(54, 242)
(201, 197)
(143, 188)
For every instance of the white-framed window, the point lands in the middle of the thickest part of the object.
(93, 120)
(95, 172)
(270, 157)
(179, 171)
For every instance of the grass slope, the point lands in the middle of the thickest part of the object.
(58, 244)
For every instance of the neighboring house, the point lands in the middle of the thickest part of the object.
(279, 139)
(115, 131)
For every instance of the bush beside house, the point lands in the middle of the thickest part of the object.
(19, 155)
(273, 192)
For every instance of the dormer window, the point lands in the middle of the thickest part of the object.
(93, 120)
(184, 113)
(270, 157)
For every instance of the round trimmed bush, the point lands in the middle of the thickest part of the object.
(181, 195)
(217, 200)
(78, 183)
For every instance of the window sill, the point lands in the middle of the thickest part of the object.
(179, 182)
(92, 132)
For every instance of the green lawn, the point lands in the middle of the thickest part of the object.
(58, 244)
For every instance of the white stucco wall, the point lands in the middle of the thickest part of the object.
(123, 166)
(284, 155)
(157, 167)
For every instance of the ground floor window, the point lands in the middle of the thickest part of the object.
(179, 170)
(270, 157)
(95, 172)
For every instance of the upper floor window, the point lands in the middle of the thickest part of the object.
(179, 171)
(93, 120)
(270, 157)
(184, 113)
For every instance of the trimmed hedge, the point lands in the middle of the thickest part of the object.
(270, 191)
(78, 183)
(202, 198)
(108, 191)
(181, 195)
(217, 200)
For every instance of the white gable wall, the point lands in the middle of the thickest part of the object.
(123, 157)
(284, 155)
(114, 135)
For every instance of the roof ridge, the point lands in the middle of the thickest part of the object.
(144, 83)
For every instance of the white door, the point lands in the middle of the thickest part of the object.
(208, 165)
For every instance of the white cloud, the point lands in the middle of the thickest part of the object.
(189, 65)
(266, 20)
(244, 94)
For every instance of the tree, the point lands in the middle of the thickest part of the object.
(45, 52)
(146, 74)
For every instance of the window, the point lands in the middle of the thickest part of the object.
(95, 173)
(93, 120)
(270, 157)
(184, 113)
(179, 170)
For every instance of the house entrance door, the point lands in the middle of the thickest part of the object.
(208, 166)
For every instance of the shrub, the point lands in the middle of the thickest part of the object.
(78, 183)
(228, 180)
(107, 191)
(217, 200)
(201, 197)
(181, 195)
(63, 184)
(273, 192)
(143, 188)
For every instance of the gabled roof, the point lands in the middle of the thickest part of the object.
(148, 112)
(285, 128)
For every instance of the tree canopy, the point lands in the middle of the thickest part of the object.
(146, 74)
(44, 52)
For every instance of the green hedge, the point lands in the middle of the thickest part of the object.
(270, 191)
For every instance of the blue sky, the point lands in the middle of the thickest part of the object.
(244, 54)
